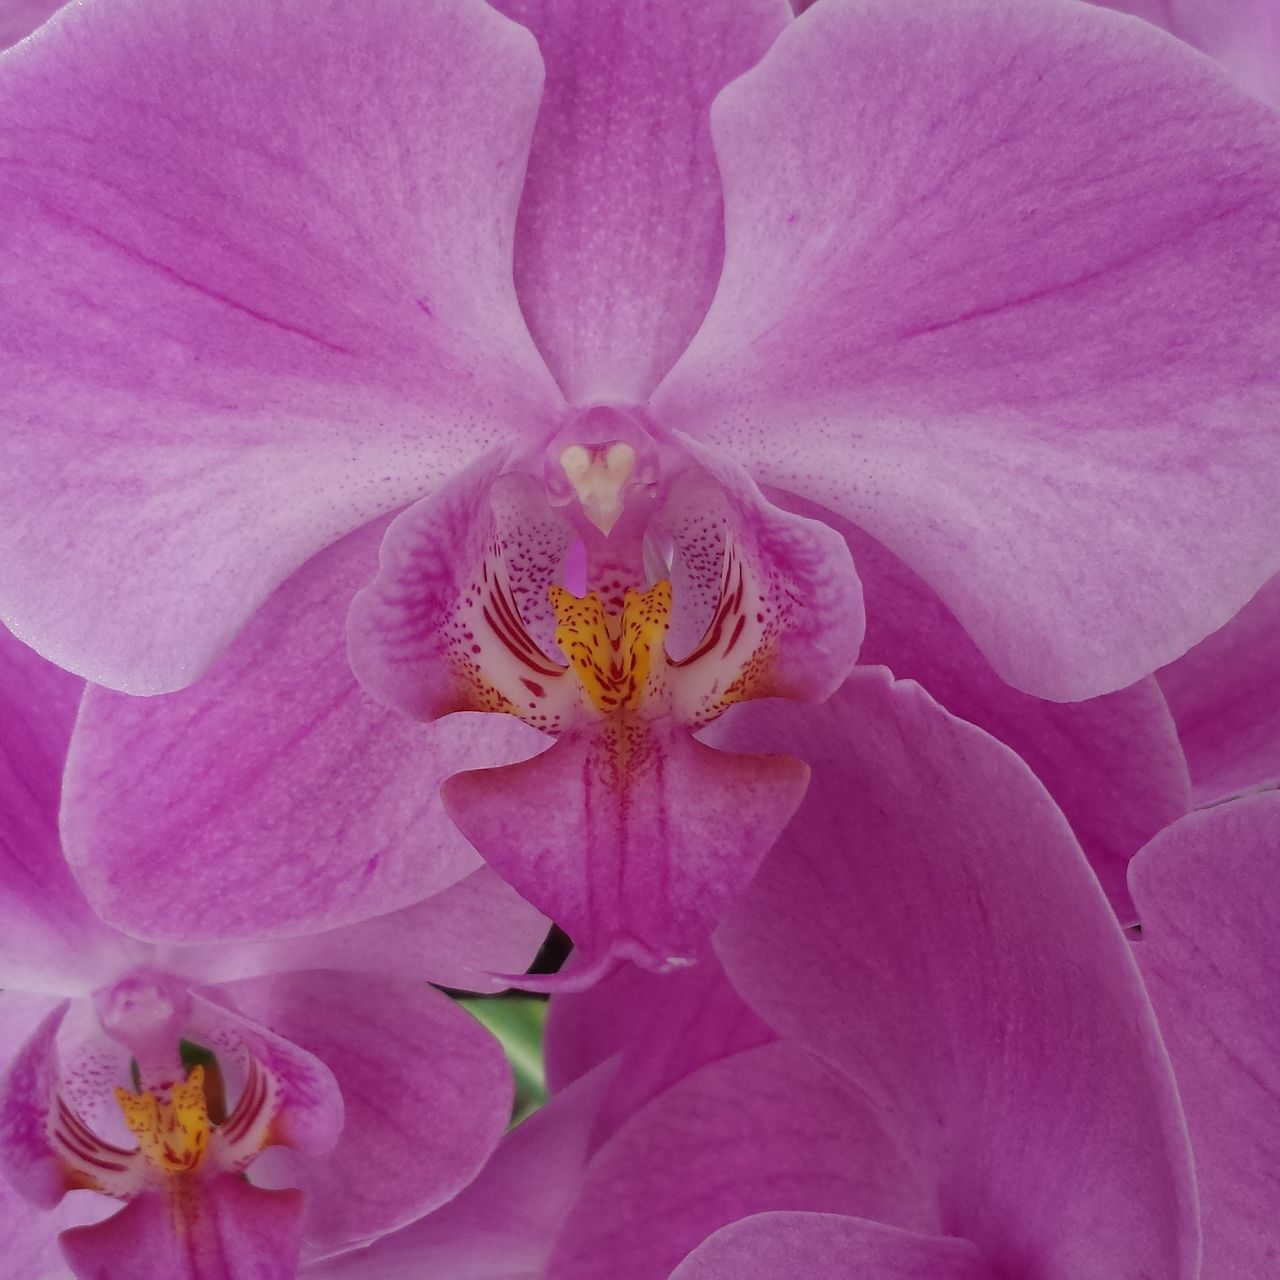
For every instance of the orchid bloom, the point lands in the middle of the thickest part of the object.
(959, 1072)
(259, 296)
(156, 1076)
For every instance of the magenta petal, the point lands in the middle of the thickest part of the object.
(771, 1128)
(257, 265)
(663, 1027)
(1031, 349)
(273, 796)
(1114, 763)
(501, 1226)
(426, 1092)
(18, 18)
(928, 925)
(1225, 698)
(634, 848)
(223, 1229)
(1208, 891)
(49, 938)
(31, 1249)
(621, 233)
(821, 1246)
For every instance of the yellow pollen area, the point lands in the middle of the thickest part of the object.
(612, 652)
(174, 1135)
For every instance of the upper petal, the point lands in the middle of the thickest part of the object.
(1016, 317)
(929, 926)
(621, 227)
(273, 796)
(257, 290)
(1208, 893)
(1225, 699)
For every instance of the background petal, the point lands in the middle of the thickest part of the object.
(426, 1091)
(1225, 699)
(1208, 891)
(1027, 345)
(274, 796)
(621, 232)
(777, 1246)
(928, 925)
(257, 290)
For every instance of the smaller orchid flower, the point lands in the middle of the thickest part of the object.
(1208, 892)
(160, 1076)
(958, 1030)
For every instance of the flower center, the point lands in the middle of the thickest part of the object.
(172, 1135)
(612, 653)
(598, 474)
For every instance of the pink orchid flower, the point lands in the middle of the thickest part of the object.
(386, 1096)
(275, 272)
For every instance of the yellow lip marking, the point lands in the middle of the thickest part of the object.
(174, 1135)
(613, 653)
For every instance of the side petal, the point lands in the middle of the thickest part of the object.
(1113, 763)
(50, 940)
(633, 837)
(1028, 348)
(662, 1027)
(280, 309)
(463, 937)
(427, 1093)
(222, 1229)
(772, 1128)
(1208, 892)
(929, 926)
(272, 797)
(621, 228)
(1225, 699)
(31, 1239)
(820, 1246)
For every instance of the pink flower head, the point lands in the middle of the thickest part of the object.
(158, 1076)
(275, 272)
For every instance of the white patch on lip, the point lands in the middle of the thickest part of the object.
(597, 479)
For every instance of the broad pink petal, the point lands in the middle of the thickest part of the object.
(462, 937)
(780, 1246)
(929, 926)
(223, 1229)
(1225, 699)
(663, 1027)
(426, 1091)
(771, 1128)
(1113, 763)
(49, 938)
(621, 232)
(257, 268)
(18, 18)
(1208, 891)
(1028, 347)
(273, 796)
(632, 836)
(502, 1226)
(31, 1249)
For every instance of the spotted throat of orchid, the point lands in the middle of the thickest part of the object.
(153, 1095)
(617, 588)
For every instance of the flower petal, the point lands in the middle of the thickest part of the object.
(19, 18)
(928, 925)
(1225, 698)
(771, 1128)
(663, 1027)
(632, 836)
(427, 1093)
(621, 232)
(49, 938)
(273, 796)
(226, 1230)
(1028, 348)
(1208, 891)
(822, 1246)
(257, 267)
(1114, 763)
